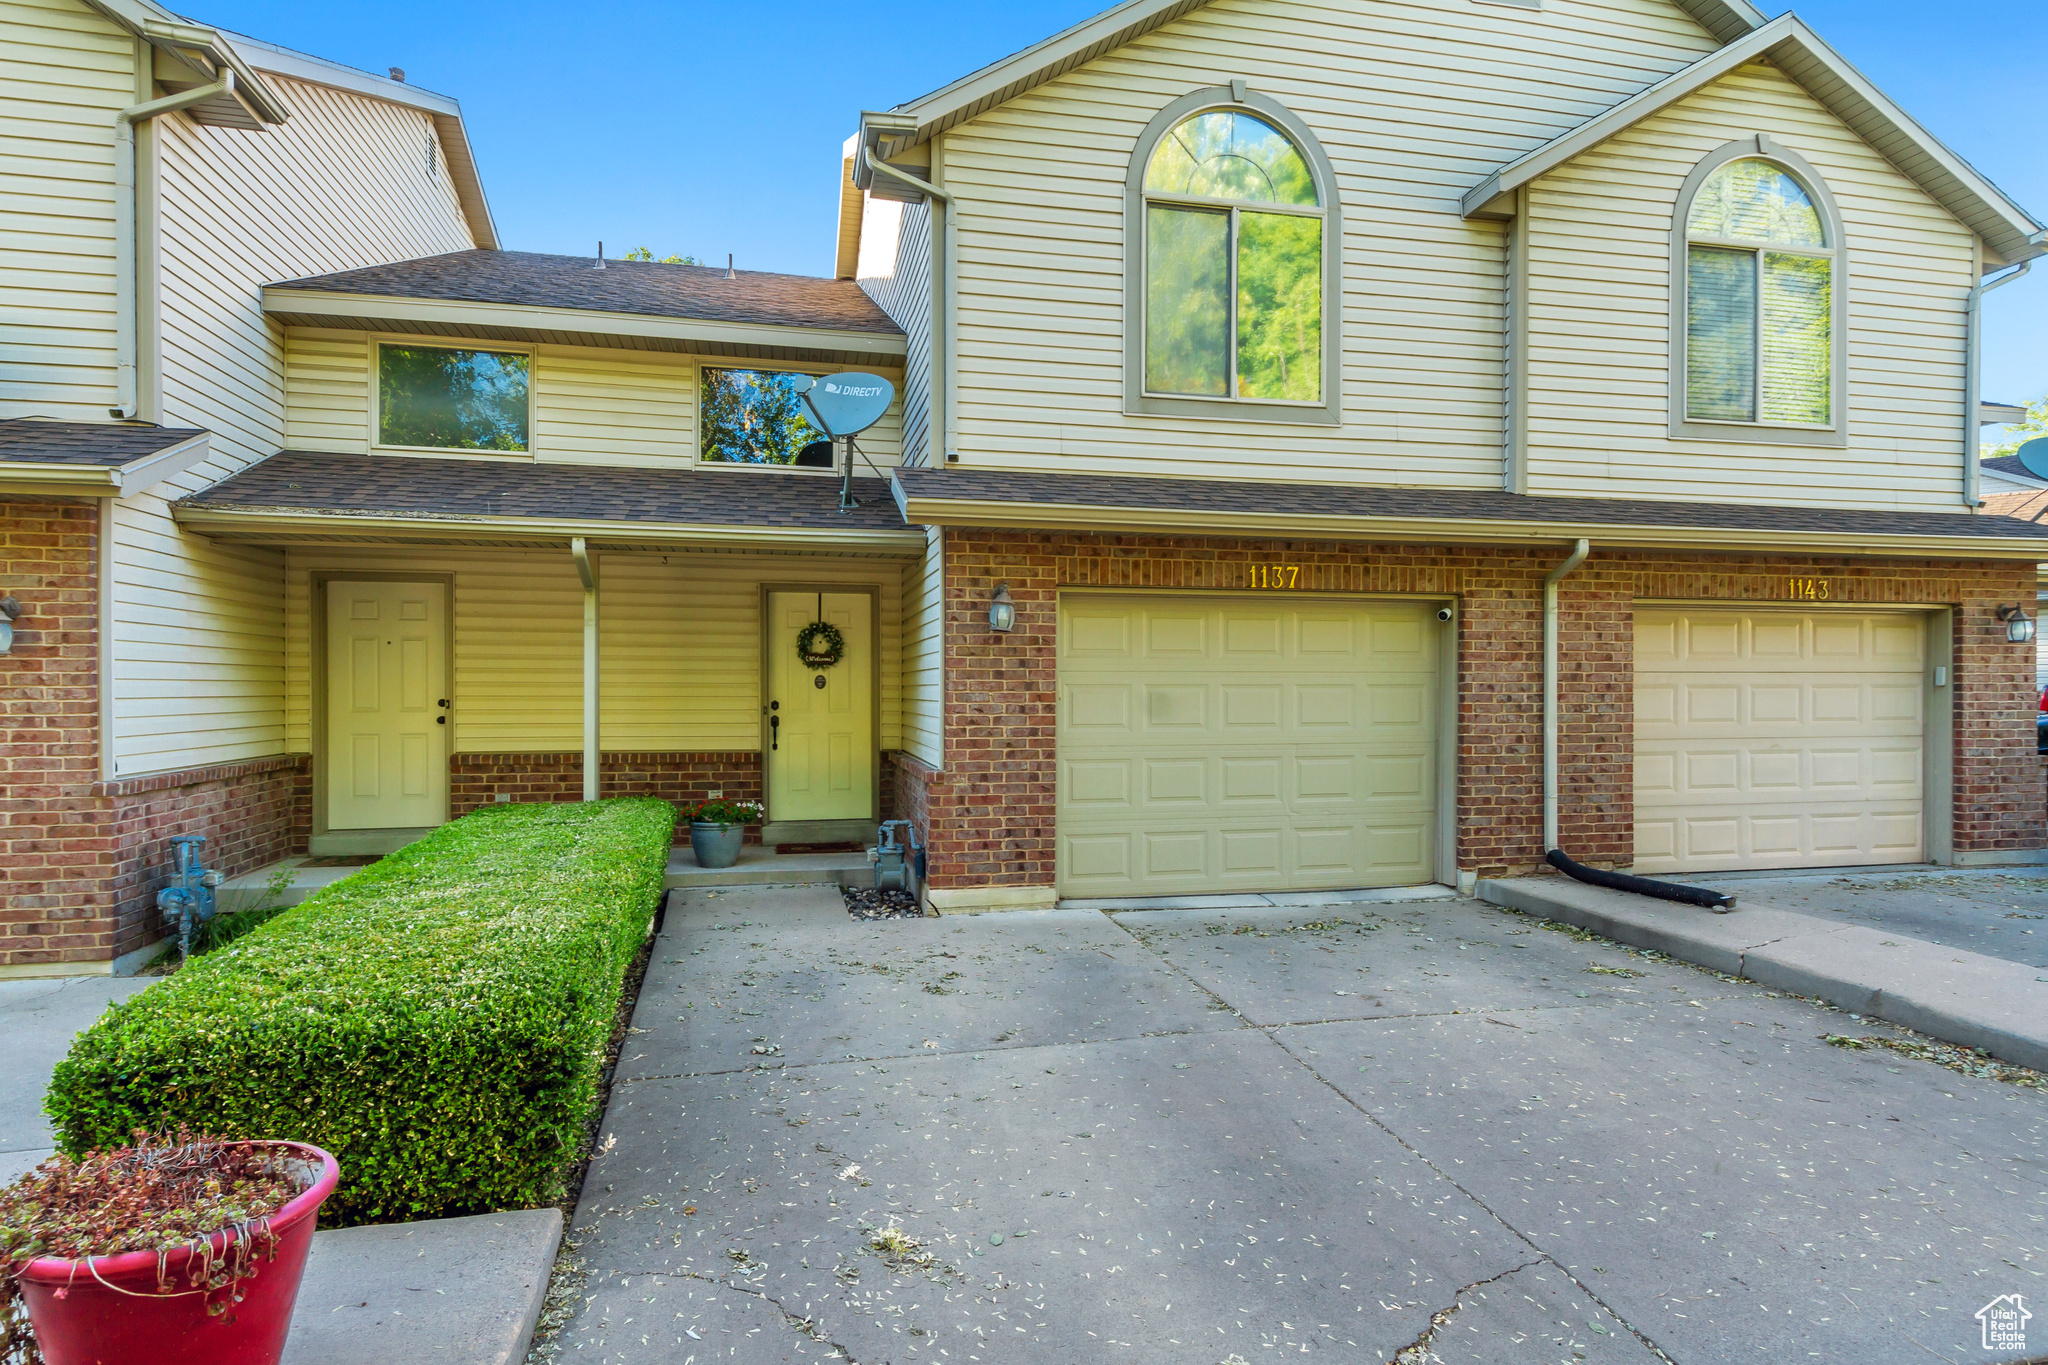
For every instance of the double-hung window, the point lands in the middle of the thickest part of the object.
(1761, 301)
(1232, 300)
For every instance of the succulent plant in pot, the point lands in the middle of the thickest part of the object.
(170, 1251)
(719, 828)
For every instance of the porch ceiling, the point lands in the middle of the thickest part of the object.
(298, 497)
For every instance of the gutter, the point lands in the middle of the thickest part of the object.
(266, 523)
(945, 295)
(127, 326)
(1973, 381)
(593, 747)
(51, 479)
(934, 511)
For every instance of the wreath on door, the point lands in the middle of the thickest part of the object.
(820, 645)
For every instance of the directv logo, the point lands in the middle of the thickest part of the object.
(870, 392)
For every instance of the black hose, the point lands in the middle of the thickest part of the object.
(1642, 886)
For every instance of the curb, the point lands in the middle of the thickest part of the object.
(1959, 997)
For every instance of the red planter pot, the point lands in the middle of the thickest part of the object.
(108, 1311)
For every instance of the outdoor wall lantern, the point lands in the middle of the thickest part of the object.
(9, 609)
(1002, 612)
(2019, 627)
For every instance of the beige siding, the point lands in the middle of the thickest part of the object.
(680, 637)
(342, 183)
(64, 73)
(591, 405)
(924, 652)
(895, 269)
(1414, 103)
(1600, 346)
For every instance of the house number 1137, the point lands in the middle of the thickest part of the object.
(1273, 575)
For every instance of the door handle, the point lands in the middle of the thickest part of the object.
(775, 732)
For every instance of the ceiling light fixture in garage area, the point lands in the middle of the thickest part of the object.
(2019, 627)
(1002, 612)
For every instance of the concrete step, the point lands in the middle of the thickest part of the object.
(760, 865)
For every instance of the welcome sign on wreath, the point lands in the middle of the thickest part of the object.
(820, 645)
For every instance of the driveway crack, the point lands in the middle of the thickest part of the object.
(1418, 1351)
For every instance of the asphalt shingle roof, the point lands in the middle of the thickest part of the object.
(2010, 464)
(397, 486)
(1324, 500)
(106, 445)
(701, 293)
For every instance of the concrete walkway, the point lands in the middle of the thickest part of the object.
(1999, 912)
(38, 1020)
(1204, 1135)
(1957, 996)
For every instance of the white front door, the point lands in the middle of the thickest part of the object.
(387, 712)
(821, 722)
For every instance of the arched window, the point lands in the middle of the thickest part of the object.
(1762, 326)
(1233, 287)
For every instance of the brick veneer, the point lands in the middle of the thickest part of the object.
(83, 859)
(990, 816)
(684, 778)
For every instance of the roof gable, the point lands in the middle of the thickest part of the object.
(2009, 230)
(919, 120)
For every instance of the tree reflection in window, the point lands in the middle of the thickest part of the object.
(754, 417)
(1234, 263)
(440, 398)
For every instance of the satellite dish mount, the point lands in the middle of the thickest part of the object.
(843, 406)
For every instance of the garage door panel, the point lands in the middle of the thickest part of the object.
(1296, 752)
(1777, 739)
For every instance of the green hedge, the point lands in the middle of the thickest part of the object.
(438, 1020)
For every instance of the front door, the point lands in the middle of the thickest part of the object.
(387, 711)
(821, 721)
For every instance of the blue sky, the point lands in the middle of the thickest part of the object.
(708, 129)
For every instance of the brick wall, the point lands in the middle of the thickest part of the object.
(55, 905)
(908, 782)
(80, 860)
(479, 779)
(991, 815)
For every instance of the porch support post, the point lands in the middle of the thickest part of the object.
(593, 748)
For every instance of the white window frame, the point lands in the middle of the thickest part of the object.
(379, 340)
(697, 458)
(1835, 432)
(1138, 400)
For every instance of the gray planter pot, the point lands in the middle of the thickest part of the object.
(716, 845)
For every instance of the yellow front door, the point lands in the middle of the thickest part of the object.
(821, 722)
(387, 718)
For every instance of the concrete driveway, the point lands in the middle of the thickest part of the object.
(2000, 912)
(38, 1020)
(1208, 1137)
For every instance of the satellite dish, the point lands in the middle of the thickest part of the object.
(848, 404)
(2034, 457)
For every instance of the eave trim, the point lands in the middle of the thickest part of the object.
(375, 308)
(1045, 516)
(252, 522)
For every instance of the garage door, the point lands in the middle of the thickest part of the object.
(1210, 745)
(1778, 739)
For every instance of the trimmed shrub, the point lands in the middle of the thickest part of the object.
(438, 1020)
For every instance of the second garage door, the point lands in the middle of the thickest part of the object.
(1209, 745)
(1778, 739)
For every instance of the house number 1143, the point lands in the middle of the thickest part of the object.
(1809, 589)
(1273, 575)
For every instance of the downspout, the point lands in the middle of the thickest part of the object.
(127, 325)
(1552, 854)
(593, 750)
(1973, 381)
(945, 355)
(1556, 576)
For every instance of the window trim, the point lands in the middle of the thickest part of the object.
(697, 460)
(1329, 410)
(1686, 428)
(379, 340)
